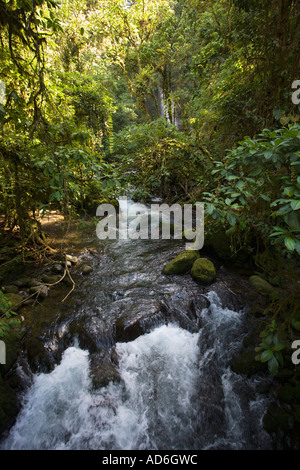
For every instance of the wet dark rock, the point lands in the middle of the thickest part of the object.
(57, 268)
(23, 282)
(135, 323)
(10, 289)
(128, 329)
(103, 369)
(50, 279)
(86, 269)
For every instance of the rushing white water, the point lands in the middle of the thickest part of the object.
(150, 406)
(176, 391)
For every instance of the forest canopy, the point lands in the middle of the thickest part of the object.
(186, 100)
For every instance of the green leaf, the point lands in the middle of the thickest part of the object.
(289, 191)
(231, 218)
(296, 325)
(289, 243)
(266, 355)
(279, 358)
(273, 365)
(295, 205)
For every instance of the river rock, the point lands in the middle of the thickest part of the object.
(203, 271)
(103, 369)
(23, 281)
(86, 269)
(57, 268)
(262, 286)
(182, 263)
(10, 289)
(34, 282)
(50, 278)
(41, 290)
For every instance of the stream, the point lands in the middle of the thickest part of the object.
(136, 360)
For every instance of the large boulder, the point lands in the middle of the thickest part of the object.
(182, 263)
(203, 271)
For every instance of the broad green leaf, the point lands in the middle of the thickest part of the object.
(273, 365)
(295, 205)
(289, 243)
(266, 355)
(231, 218)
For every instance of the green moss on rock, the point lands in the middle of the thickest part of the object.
(182, 263)
(263, 287)
(203, 271)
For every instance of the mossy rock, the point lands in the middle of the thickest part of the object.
(182, 263)
(9, 405)
(203, 271)
(50, 278)
(263, 287)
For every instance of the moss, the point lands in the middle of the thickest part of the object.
(203, 271)
(263, 287)
(181, 263)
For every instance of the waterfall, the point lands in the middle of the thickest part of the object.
(176, 391)
(163, 109)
